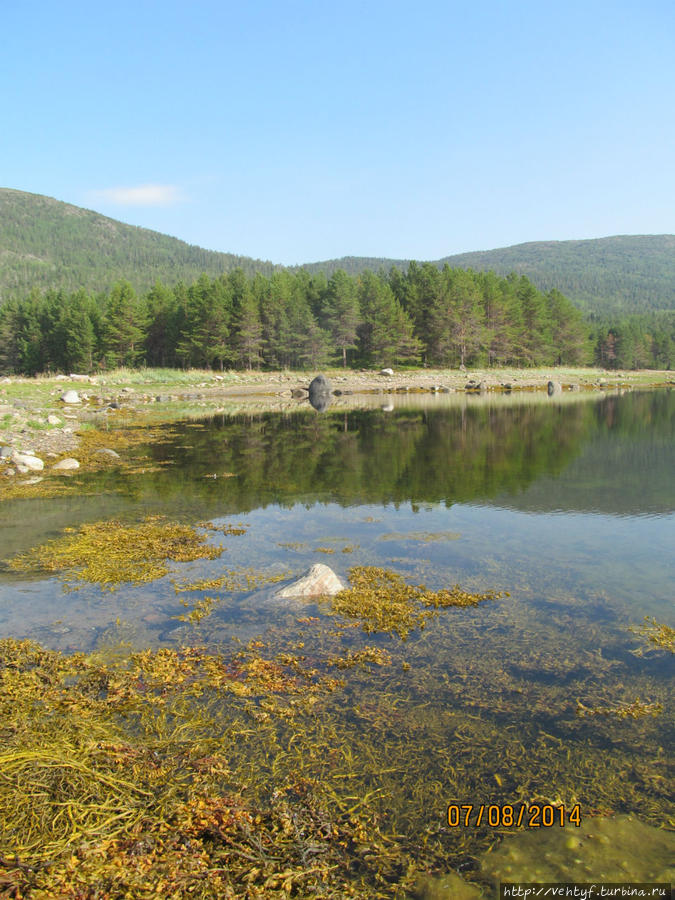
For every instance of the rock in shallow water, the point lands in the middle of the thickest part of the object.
(616, 848)
(319, 581)
(65, 465)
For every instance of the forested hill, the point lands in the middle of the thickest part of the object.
(623, 274)
(47, 244)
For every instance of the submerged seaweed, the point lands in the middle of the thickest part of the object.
(111, 553)
(382, 600)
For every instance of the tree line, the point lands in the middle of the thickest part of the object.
(430, 316)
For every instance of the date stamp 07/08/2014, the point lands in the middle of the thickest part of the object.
(506, 815)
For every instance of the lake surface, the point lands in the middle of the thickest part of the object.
(567, 506)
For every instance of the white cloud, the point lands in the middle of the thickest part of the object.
(143, 195)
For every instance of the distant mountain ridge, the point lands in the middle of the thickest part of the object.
(45, 243)
(620, 274)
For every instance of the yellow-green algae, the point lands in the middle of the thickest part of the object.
(381, 600)
(425, 537)
(292, 772)
(264, 772)
(119, 780)
(658, 634)
(636, 709)
(111, 553)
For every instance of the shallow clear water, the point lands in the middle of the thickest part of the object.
(570, 507)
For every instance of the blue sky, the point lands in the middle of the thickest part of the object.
(300, 131)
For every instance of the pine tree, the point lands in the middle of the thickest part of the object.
(162, 330)
(123, 326)
(246, 337)
(340, 314)
(385, 335)
(77, 336)
(203, 337)
(454, 323)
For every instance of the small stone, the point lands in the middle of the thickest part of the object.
(27, 463)
(70, 397)
(36, 480)
(106, 451)
(53, 420)
(65, 465)
(387, 372)
(319, 581)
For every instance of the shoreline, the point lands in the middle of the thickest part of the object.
(34, 420)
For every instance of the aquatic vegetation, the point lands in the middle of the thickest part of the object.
(381, 600)
(377, 656)
(235, 580)
(224, 529)
(658, 634)
(424, 537)
(112, 553)
(638, 709)
(104, 792)
(200, 610)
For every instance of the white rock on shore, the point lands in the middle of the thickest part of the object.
(28, 462)
(64, 465)
(70, 397)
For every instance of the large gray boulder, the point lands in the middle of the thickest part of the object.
(319, 581)
(320, 385)
(319, 392)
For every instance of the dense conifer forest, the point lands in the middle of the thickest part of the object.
(617, 276)
(80, 291)
(430, 316)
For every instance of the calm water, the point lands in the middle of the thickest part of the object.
(568, 506)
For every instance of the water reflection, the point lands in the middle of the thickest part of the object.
(614, 456)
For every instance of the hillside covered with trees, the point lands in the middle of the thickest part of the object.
(619, 275)
(47, 244)
(50, 245)
(440, 317)
(80, 291)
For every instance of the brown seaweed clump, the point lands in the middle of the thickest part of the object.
(381, 600)
(659, 635)
(120, 780)
(111, 553)
(637, 709)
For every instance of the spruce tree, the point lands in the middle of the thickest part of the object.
(123, 326)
